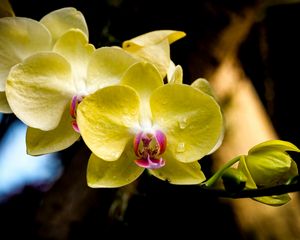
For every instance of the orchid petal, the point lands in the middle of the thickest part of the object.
(158, 54)
(154, 47)
(74, 46)
(277, 145)
(62, 20)
(177, 172)
(39, 89)
(244, 169)
(4, 106)
(275, 200)
(6, 9)
(191, 120)
(203, 85)
(144, 78)
(101, 173)
(176, 76)
(107, 66)
(106, 119)
(20, 38)
(63, 136)
(152, 38)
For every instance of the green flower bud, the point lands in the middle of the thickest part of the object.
(234, 180)
(268, 164)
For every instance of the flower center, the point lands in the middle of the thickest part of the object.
(149, 147)
(73, 107)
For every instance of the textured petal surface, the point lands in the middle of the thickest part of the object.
(152, 38)
(63, 136)
(158, 54)
(62, 20)
(271, 168)
(278, 145)
(203, 85)
(39, 89)
(118, 173)
(175, 75)
(177, 172)
(106, 119)
(154, 47)
(4, 106)
(191, 120)
(74, 46)
(6, 9)
(275, 200)
(144, 78)
(20, 38)
(107, 66)
(244, 169)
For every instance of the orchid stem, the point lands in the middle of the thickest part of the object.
(211, 181)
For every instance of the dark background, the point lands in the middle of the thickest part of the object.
(71, 210)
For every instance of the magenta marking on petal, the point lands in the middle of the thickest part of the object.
(142, 163)
(156, 163)
(136, 142)
(150, 163)
(162, 141)
(75, 126)
(73, 106)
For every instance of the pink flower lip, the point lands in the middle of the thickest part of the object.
(149, 147)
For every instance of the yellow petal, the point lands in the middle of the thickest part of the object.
(107, 66)
(177, 172)
(4, 106)
(277, 145)
(244, 169)
(203, 85)
(175, 75)
(154, 47)
(191, 120)
(74, 46)
(63, 136)
(39, 89)
(152, 38)
(62, 20)
(106, 119)
(20, 38)
(6, 9)
(158, 54)
(106, 174)
(275, 200)
(144, 78)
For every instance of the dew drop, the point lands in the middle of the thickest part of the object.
(180, 147)
(182, 123)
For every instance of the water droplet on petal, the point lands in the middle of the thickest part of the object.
(180, 147)
(182, 123)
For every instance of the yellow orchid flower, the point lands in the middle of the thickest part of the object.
(268, 164)
(45, 88)
(144, 124)
(154, 47)
(22, 37)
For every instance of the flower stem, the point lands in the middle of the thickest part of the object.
(211, 181)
